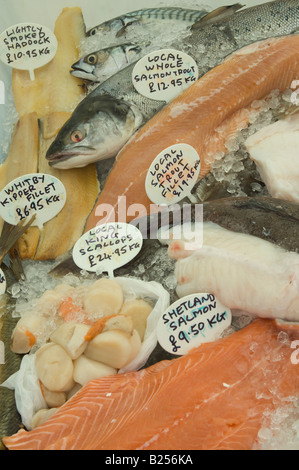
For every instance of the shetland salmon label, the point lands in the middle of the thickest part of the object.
(164, 74)
(35, 193)
(107, 247)
(191, 321)
(27, 46)
(173, 174)
(2, 282)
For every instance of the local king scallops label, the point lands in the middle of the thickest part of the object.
(164, 74)
(107, 247)
(27, 46)
(2, 282)
(173, 174)
(36, 193)
(191, 321)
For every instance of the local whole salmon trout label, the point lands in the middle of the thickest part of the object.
(36, 194)
(162, 75)
(2, 282)
(27, 46)
(107, 247)
(173, 174)
(191, 321)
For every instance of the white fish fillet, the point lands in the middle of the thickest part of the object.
(243, 271)
(275, 150)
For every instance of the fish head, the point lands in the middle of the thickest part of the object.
(98, 128)
(95, 67)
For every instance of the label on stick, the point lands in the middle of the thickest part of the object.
(107, 247)
(191, 321)
(2, 282)
(27, 46)
(162, 75)
(173, 174)
(36, 193)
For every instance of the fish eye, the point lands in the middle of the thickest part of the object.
(77, 136)
(92, 59)
(93, 32)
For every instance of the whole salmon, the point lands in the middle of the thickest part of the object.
(106, 119)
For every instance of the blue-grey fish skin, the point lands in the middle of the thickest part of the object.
(149, 15)
(208, 45)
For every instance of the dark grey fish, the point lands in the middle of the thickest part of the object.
(208, 46)
(271, 219)
(10, 420)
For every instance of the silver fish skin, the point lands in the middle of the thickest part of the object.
(217, 40)
(147, 15)
(98, 66)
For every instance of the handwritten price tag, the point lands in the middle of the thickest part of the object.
(107, 247)
(191, 321)
(172, 174)
(36, 193)
(27, 46)
(2, 282)
(164, 74)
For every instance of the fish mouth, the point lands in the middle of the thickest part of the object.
(61, 158)
(83, 70)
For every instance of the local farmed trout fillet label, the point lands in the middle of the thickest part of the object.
(173, 174)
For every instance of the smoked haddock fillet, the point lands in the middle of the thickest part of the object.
(43, 105)
(204, 116)
(215, 397)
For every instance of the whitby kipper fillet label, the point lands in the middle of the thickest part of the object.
(35, 193)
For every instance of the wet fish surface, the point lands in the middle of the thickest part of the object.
(148, 15)
(237, 380)
(208, 45)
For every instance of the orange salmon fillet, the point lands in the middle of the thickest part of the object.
(215, 397)
(204, 116)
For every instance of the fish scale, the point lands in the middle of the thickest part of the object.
(218, 38)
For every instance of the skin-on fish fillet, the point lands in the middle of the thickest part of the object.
(197, 115)
(243, 271)
(215, 397)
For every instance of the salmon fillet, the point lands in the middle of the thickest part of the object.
(204, 116)
(215, 397)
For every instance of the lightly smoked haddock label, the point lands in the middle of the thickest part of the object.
(35, 193)
(162, 75)
(191, 321)
(107, 247)
(27, 46)
(173, 174)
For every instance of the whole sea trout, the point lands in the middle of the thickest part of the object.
(106, 119)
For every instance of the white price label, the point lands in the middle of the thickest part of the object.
(191, 321)
(107, 247)
(173, 174)
(27, 46)
(2, 282)
(36, 193)
(162, 75)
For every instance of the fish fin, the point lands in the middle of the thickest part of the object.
(218, 14)
(65, 266)
(123, 30)
(10, 235)
(15, 264)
